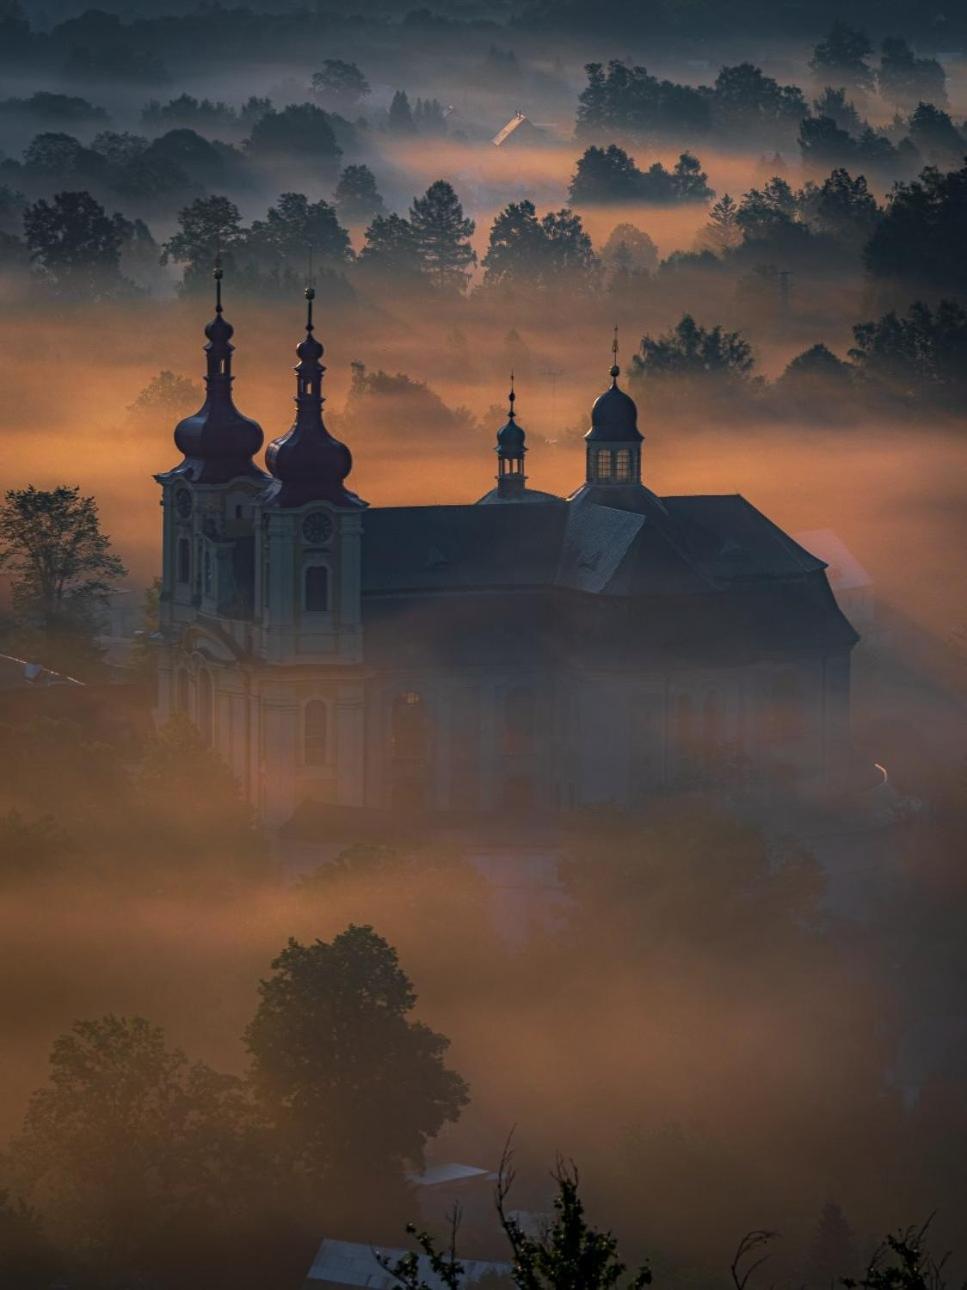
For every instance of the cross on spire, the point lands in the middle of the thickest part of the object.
(512, 397)
(615, 369)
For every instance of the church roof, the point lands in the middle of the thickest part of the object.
(686, 544)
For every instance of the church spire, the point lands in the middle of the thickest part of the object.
(308, 463)
(218, 442)
(511, 448)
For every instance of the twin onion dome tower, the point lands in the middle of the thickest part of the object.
(307, 464)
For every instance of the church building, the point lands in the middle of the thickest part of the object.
(526, 652)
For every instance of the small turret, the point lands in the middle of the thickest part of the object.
(511, 450)
(614, 440)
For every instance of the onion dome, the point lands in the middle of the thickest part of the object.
(218, 442)
(614, 414)
(307, 463)
(510, 437)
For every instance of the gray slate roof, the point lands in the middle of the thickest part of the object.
(673, 545)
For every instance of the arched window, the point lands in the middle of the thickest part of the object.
(622, 466)
(181, 690)
(316, 589)
(206, 707)
(184, 560)
(315, 733)
(602, 463)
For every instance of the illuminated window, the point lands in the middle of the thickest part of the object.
(316, 589)
(622, 466)
(315, 733)
(602, 461)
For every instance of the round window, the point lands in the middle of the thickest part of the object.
(317, 527)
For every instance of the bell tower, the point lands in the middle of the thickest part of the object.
(309, 558)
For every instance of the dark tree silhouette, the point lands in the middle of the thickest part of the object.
(400, 120)
(350, 1084)
(392, 249)
(922, 356)
(835, 105)
(356, 196)
(340, 84)
(525, 250)
(301, 131)
(276, 251)
(77, 245)
(443, 236)
(936, 137)
(920, 237)
(840, 57)
(689, 350)
(208, 227)
(906, 80)
(832, 1253)
(61, 566)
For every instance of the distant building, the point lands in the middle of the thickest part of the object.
(529, 653)
(519, 130)
(351, 1264)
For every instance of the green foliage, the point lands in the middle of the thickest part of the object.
(61, 565)
(906, 80)
(442, 234)
(186, 110)
(400, 119)
(902, 1262)
(340, 83)
(300, 131)
(745, 98)
(356, 196)
(551, 252)
(835, 105)
(920, 357)
(275, 252)
(935, 136)
(77, 245)
(209, 226)
(610, 175)
(570, 1255)
(352, 1085)
(132, 1149)
(700, 353)
(168, 393)
(841, 57)
(920, 238)
(28, 1261)
(628, 100)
